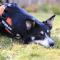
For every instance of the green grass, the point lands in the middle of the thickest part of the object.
(14, 51)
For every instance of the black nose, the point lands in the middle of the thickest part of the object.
(51, 44)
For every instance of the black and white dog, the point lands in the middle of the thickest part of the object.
(40, 32)
(28, 27)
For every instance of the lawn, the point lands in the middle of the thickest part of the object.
(12, 50)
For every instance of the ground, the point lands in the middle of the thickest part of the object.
(12, 50)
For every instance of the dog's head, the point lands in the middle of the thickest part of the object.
(40, 33)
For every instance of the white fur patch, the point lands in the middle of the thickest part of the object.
(48, 31)
(33, 38)
(42, 32)
(44, 42)
(28, 25)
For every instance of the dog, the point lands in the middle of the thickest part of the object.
(18, 22)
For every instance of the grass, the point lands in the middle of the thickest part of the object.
(14, 51)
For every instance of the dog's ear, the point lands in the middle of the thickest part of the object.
(29, 24)
(49, 21)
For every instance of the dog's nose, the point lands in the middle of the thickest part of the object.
(51, 44)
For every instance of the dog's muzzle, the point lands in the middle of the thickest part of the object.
(47, 42)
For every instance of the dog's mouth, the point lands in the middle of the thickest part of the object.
(46, 42)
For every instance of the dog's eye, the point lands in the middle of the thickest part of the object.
(41, 32)
(48, 31)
